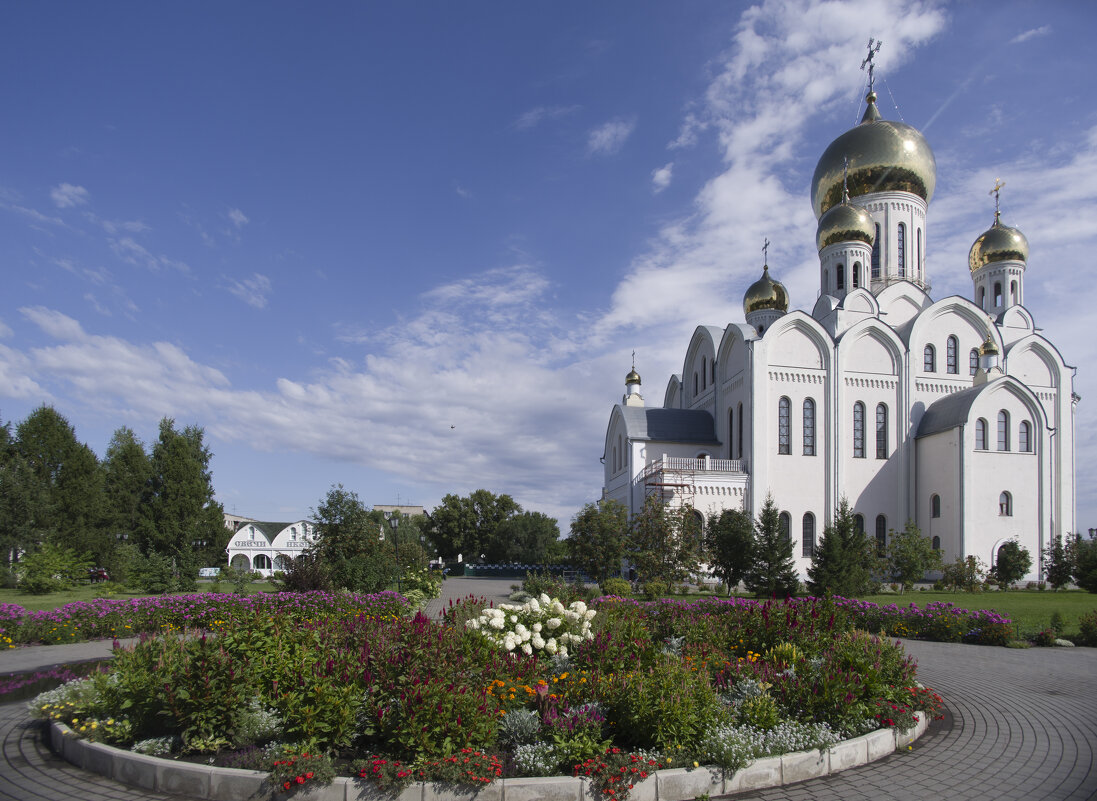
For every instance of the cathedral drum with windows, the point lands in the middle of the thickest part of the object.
(957, 414)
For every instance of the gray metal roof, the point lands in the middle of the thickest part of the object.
(670, 425)
(950, 411)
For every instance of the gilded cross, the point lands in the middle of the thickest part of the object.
(996, 191)
(765, 252)
(873, 49)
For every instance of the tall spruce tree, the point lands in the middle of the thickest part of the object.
(772, 572)
(844, 559)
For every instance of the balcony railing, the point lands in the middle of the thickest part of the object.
(682, 464)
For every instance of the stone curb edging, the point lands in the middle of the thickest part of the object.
(674, 784)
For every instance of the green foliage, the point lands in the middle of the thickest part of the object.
(1085, 563)
(52, 568)
(616, 586)
(294, 770)
(965, 574)
(424, 580)
(1087, 629)
(1012, 564)
(730, 543)
(306, 572)
(1058, 564)
(597, 540)
(654, 590)
(528, 538)
(843, 559)
(470, 526)
(127, 471)
(910, 555)
(350, 541)
(239, 579)
(772, 572)
(664, 542)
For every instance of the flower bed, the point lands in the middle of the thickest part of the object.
(396, 699)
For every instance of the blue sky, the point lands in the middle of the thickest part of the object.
(410, 247)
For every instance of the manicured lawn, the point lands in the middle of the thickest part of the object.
(1030, 610)
(89, 592)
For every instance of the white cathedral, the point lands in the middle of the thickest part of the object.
(957, 414)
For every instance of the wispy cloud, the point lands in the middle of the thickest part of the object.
(254, 291)
(661, 177)
(1043, 30)
(610, 137)
(66, 195)
(131, 251)
(535, 116)
(238, 218)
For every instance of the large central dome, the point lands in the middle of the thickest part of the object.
(884, 156)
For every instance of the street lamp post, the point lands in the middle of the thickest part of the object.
(394, 521)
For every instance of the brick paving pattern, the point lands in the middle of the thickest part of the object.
(1021, 724)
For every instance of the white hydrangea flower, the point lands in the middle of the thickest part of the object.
(526, 649)
(544, 598)
(589, 614)
(473, 623)
(497, 622)
(514, 618)
(579, 607)
(537, 626)
(563, 651)
(534, 605)
(538, 641)
(551, 646)
(556, 607)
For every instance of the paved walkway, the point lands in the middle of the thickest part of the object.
(1021, 724)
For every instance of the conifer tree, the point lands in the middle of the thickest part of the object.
(843, 560)
(772, 572)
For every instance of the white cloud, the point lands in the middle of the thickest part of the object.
(131, 251)
(5, 330)
(129, 226)
(461, 191)
(1032, 33)
(610, 137)
(253, 291)
(535, 116)
(661, 177)
(238, 218)
(66, 195)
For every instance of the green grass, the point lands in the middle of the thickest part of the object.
(1030, 610)
(89, 592)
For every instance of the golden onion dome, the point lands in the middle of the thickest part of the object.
(765, 293)
(998, 243)
(883, 156)
(633, 377)
(988, 348)
(845, 223)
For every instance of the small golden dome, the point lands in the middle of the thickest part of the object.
(988, 348)
(884, 156)
(845, 223)
(633, 377)
(765, 293)
(998, 243)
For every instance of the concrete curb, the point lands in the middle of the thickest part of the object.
(675, 784)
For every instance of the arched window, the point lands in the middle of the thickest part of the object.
(918, 265)
(712, 372)
(881, 534)
(859, 430)
(951, 356)
(620, 453)
(262, 562)
(859, 523)
(876, 253)
(983, 298)
(997, 294)
(786, 526)
(809, 427)
(929, 359)
(826, 281)
(241, 562)
(704, 372)
(614, 458)
(840, 276)
(1003, 430)
(936, 543)
(1024, 437)
(807, 549)
(980, 434)
(695, 385)
(1005, 505)
(881, 431)
(731, 433)
(281, 562)
(784, 439)
(935, 506)
(1013, 291)
(856, 275)
(740, 443)
(973, 361)
(901, 250)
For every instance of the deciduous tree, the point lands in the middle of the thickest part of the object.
(351, 542)
(1058, 567)
(1012, 564)
(730, 544)
(597, 540)
(910, 555)
(664, 542)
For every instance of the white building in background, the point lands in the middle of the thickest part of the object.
(955, 413)
(266, 547)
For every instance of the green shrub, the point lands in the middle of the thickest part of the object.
(616, 586)
(653, 590)
(1087, 628)
(52, 568)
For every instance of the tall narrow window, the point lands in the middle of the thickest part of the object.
(712, 372)
(876, 253)
(1024, 437)
(936, 543)
(980, 434)
(859, 523)
(1005, 505)
(929, 359)
(807, 548)
(997, 294)
(1003, 430)
(935, 506)
(952, 346)
(856, 275)
(881, 534)
(786, 526)
(809, 427)
(901, 249)
(620, 453)
(731, 433)
(784, 439)
(840, 276)
(983, 298)
(918, 265)
(614, 458)
(881, 431)
(859, 430)
(1012, 291)
(973, 361)
(695, 385)
(704, 372)
(740, 438)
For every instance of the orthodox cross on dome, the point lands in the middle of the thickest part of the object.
(634, 360)
(996, 191)
(873, 49)
(765, 253)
